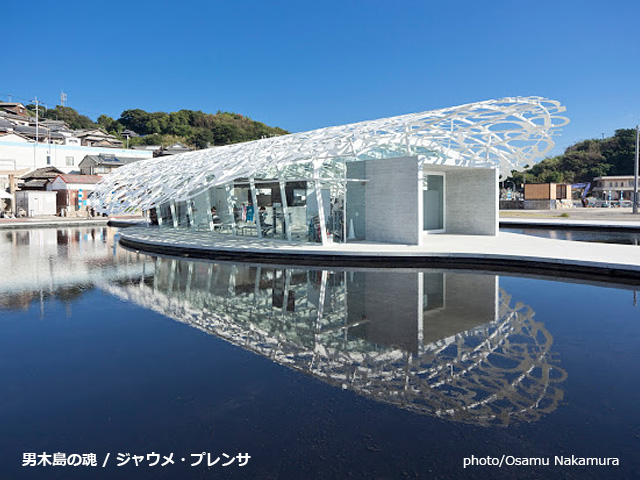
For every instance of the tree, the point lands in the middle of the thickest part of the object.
(585, 160)
(194, 127)
(110, 125)
(136, 120)
(201, 138)
(70, 117)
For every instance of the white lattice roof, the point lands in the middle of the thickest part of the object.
(507, 134)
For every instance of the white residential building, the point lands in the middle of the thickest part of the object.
(19, 153)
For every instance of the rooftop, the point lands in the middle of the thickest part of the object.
(87, 179)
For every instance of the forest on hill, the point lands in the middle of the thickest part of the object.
(585, 160)
(189, 127)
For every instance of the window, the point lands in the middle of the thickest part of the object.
(68, 161)
(48, 159)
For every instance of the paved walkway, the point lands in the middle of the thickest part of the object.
(506, 252)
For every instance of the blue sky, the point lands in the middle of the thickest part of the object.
(304, 65)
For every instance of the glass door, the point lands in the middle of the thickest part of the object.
(433, 203)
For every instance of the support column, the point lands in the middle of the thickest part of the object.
(230, 204)
(12, 191)
(172, 207)
(285, 210)
(209, 205)
(159, 214)
(317, 166)
(190, 213)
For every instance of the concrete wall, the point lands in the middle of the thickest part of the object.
(20, 155)
(547, 204)
(393, 199)
(471, 201)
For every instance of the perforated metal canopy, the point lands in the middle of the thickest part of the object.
(507, 134)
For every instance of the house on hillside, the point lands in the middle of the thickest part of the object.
(174, 149)
(14, 137)
(14, 108)
(15, 119)
(103, 164)
(97, 138)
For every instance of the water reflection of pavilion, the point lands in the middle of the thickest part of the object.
(446, 344)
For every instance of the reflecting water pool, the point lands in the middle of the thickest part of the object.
(311, 373)
(598, 236)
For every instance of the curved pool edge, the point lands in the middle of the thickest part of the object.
(513, 262)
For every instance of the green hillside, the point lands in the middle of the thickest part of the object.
(585, 160)
(189, 127)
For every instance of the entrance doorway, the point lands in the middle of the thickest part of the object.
(433, 203)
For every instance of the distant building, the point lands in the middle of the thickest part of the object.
(103, 164)
(614, 187)
(173, 150)
(5, 125)
(547, 196)
(72, 193)
(35, 202)
(149, 148)
(39, 178)
(18, 152)
(15, 108)
(160, 151)
(97, 138)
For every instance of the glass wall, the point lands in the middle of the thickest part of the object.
(165, 218)
(284, 209)
(222, 202)
(243, 210)
(355, 198)
(183, 214)
(297, 209)
(201, 212)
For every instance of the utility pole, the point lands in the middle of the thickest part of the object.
(37, 103)
(635, 170)
(35, 147)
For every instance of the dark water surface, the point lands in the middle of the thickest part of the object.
(314, 374)
(597, 236)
